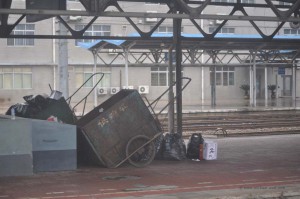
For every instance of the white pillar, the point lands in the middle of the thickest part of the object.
(126, 67)
(63, 62)
(266, 86)
(94, 79)
(254, 80)
(251, 85)
(294, 84)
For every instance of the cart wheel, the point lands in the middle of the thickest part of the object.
(142, 156)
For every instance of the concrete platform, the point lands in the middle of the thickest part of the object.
(247, 167)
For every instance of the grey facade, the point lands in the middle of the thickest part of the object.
(40, 61)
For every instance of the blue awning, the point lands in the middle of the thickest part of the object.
(219, 42)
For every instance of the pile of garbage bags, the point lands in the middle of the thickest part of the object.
(44, 107)
(171, 146)
(33, 105)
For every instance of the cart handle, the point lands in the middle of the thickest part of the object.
(172, 100)
(85, 98)
(150, 140)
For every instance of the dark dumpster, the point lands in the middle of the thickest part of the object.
(122, 128)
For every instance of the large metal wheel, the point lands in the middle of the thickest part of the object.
(140, 150)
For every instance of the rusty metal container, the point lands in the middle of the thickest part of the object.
(109, 127)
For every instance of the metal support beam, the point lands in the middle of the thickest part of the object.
(178, 52)
(254, 80)
(266, 86)
(95, 52)
(213, 81)
(171, 94)
(294, 84)
(147, 15)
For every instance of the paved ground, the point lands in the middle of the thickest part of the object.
(248, 167)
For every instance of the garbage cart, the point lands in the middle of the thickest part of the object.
(120, 129)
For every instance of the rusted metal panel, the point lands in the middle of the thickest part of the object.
(110, 126)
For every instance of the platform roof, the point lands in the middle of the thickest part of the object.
(197, 41)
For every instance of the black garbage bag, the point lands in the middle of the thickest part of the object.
(159, 142)
(174, 147)
(193, 146)
(38, 101)
(21, 110)
(33, 105)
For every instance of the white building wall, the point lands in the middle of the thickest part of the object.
(43, 55)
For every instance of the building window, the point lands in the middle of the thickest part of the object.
(290, 31)
(247, 1)
(224, 75)
(22, 29)
(222, 30)
(285, 4)
(160, 76)
(15, 78)
(165, 29)
(151, 3)
(225, 1)
(94, 30)
(82, 74)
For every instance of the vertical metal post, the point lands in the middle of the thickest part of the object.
(202, 79)
(63, 62)
(126, 67)
(54, 53)
(171, 94)
(294, 84)
(213, 82)
(251, 79)
(177, 43)
(266, 86)
(254, 80)
(94, 78)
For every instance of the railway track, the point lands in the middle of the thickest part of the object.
(239, 123)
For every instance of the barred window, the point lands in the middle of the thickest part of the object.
(165, 29)
(290, 31)
(234, 1)
(225, 1)
(15, 78)
(224, 75)
(94, 30)
(247, 1)
(222, 30)
(160, 76)
(83, 73)
(22, 29)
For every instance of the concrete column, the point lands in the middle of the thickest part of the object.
(63, 62)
